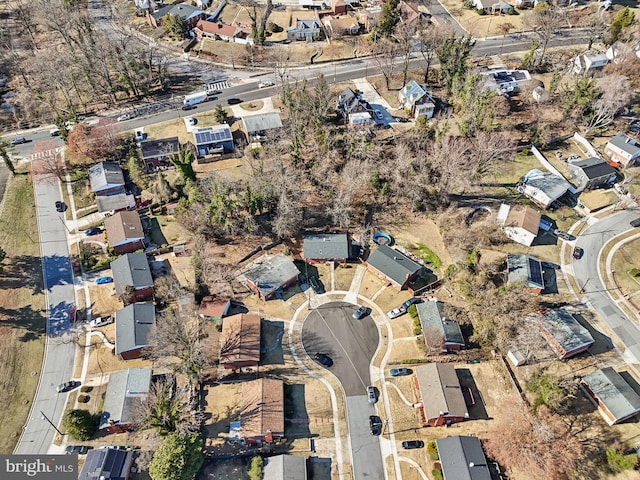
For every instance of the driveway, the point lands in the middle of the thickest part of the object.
(351, 344)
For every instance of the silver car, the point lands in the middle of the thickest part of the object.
(371, 394)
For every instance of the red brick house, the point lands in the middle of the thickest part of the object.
(124, 232)
(133, 329)
(269, 274)
(262, 419)
(393, 266)
(131, 272)
(240, 341)
(441, 398)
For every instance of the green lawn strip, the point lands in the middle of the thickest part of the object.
(22, 310)
(428, 256)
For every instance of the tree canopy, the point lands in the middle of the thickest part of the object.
(178, 458)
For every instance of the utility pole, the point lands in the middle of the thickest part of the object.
(44, 417)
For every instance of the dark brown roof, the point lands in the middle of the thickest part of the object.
(440, 390)
(263, 400)
(240, 339)
(123, 226)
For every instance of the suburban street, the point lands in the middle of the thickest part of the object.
(60, 349)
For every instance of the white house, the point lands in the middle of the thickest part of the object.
(417, 99)
(588, 62)
(622, 151)
(506, 81)
(493, 6)
(520, 223)
(543, 188)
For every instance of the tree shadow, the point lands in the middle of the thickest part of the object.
(23, 271)
(34, 321)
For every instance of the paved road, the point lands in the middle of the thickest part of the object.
(351, 344)
(586, 273)
(38, 434)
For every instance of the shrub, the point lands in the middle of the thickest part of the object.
(417, 330)
(83, 398)
(437, 474)
(255, 469)
(433, 450)
(480, 11)
(79, 424)
(634, 272)
(618, 462)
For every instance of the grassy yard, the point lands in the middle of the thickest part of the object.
(22, 314)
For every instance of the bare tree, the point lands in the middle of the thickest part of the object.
(616, 94)
(384, 52)
(168, 410)
(546, 20)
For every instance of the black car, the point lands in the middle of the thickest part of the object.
(79, 449)
(66, 386)
(316, 285)
(234, 101)
(577, 253)
(412, 444)
(375, 424)
(635, 223)
(634, 127)
(188, 107)
(61, 206)
(324, 359)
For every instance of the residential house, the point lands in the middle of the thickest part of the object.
(213, 140)
(415, 97)
(325, 248)
(520, 223)
(218, 31)
(526, 270)
(525, 3)
(132, 277)
(543, 188)
(156, 153)
(411, 16)
(125, 390)
(256, 125)
(262, 421)
(133, 329)
(393, 266)
(440, 334)
(462, 458)
(340, 26)
(115, 203)
(493, 7)
(107, 464)
(187, 13)
(622, 151)
(611, 394)
(285, 467)
(268, 275)
(589, 62)
(106, 178)
(214, 308)
(591, 173)
(563, 333)
(353, 109)
(441, 398)
(124, 232)
(338, 7)
(304, 29)
(619, 51)
(240, 341)
(506, 81)
(369, 17)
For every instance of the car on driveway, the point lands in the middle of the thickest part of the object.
(79, 449)
(234, 101)
(265, 83)
(103, 280)
(18, 141)
(402, 309)
(371, 394)
(93, 231)
(564, 235)
(100, 321)
(316, 285)
(378, 114)
(324, 359)
(412, 444)
(61, 206)
(67, 386)
(54, 132)
(361, 312)
(375, 424)
(398, 372)
(578, 253)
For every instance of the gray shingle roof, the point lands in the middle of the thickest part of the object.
(525, 269)
(133, 326)
(440, 390)
(107, 203)
(285, 467)
(462, 458)
(595, 168)
(412, 92)
(161, 147)
(329, 246)
(625, 143)
(567, 335)
(125, 389)
(261, 122)
(431, 315)
(131, 269)
(105, 175)
(552, 185)
(614, 392)
(393, 264)
(183, 10)
(269, 273)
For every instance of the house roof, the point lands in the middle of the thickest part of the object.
(264, 407)
(412, 92)
(565, 331)
(440, 390)
(105, 175)
(626, 144)
(183, 10)
(393, 264)
(123, 227)
(613, 391)
(269, 273)
(525, 217)
(119, 201)
(594, 168)
(431, 315)
(525, 269)
(462, 458)
(213, 306)
(307, 24)
(262, 121)
(212, 134)
(344, 22)
(125, 390)
(553, 186)
(337, 3)
(218, 28)
(325, 245)
(285, 467)
(133, 326)
(347, 100)
(240, 339)
(159, 148)
(131, 269)
(106, 464)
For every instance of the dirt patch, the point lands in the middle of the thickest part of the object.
(229, 469)
(252, 106)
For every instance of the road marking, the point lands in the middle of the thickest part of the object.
(217, 86)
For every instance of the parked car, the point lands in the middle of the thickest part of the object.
(634, 127)
(123, 117)
(577, 253)
(67, 386)
(375, 424)
(79, 449)
(93, 231)
(316, 285)
(412, 444)
(564, 235)
(399, 372)
(378, 114)
(18, 141)
(361, 312)
(635, 223)
(265, 83)
(100, 321)
(324, 359)
(402, 309)
(103, 280)
(188, 107)
(371, 394)
(192, 121)
(234, 101)
(54, 132)
(61, 206)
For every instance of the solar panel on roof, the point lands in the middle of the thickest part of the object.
(535, 271)
(212, 136)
